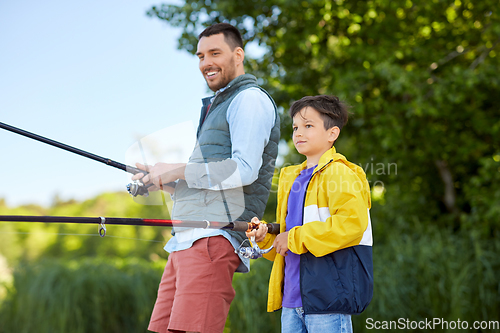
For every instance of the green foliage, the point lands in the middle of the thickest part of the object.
(422, 78)
(248, 310)
(30, 241)
(81, 296)
(434, 273)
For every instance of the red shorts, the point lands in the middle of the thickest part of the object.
(196, 288)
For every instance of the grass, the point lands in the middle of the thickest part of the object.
(430, 273)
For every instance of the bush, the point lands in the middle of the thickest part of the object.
(87, 296)
(434, 273)
(428, 273)
(248, 310)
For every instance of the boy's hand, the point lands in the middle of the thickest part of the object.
(260, 233)
(281, 244)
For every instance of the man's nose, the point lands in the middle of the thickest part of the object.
(206, 62)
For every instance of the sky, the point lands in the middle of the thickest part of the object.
(95, 75)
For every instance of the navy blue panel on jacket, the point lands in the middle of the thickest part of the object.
(339, 282)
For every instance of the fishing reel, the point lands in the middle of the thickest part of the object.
(137, 188)
(253, 252)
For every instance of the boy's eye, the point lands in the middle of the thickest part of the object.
(308, 126)
(294, 128)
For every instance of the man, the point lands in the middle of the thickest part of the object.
(228, 178)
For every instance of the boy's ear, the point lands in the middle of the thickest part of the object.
(334, 133)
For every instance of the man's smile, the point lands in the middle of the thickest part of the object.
(211, 73)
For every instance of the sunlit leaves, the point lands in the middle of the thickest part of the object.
(417, 73)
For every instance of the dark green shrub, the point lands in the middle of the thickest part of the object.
(434, 273)
(428, 273)
(86, 296)
(248, 310)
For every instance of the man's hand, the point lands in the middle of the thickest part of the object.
(281, 244)
(160, 173)
(260, 233)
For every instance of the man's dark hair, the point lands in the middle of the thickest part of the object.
(231, 35)
(332, 110)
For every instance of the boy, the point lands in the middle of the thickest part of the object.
(323, 270)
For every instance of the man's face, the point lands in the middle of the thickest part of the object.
(217, 61)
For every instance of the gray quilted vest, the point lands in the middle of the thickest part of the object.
(214, 145)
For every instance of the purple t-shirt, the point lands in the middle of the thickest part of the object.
(291, 291)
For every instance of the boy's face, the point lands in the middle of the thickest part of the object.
(309, 135)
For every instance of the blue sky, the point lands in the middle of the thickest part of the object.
(96, 75)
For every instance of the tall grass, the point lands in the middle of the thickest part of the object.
(428, 273)
(435, 273)
(248, 310)
(86, 296)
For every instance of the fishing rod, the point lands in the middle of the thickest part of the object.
(134, 188)
(253, 252)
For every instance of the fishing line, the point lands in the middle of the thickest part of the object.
(68, 234)
(135, 188)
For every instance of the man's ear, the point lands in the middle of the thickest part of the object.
(334, 133)
(239, 55)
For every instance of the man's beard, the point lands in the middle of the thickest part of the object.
(225, 77)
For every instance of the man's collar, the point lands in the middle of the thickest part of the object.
(237, 80)
(222, 89)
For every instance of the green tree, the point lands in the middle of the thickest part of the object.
(422, 78)
(33, 241)
(422, 81)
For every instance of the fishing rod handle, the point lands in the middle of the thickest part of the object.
(272, 228)
(137, 187)
(135, 171)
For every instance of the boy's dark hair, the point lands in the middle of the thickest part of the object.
(332, 110)
(231, 35)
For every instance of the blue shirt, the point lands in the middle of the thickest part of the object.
(251, 118)
(295, 206)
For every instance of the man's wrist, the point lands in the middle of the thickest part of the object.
(180, 171)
